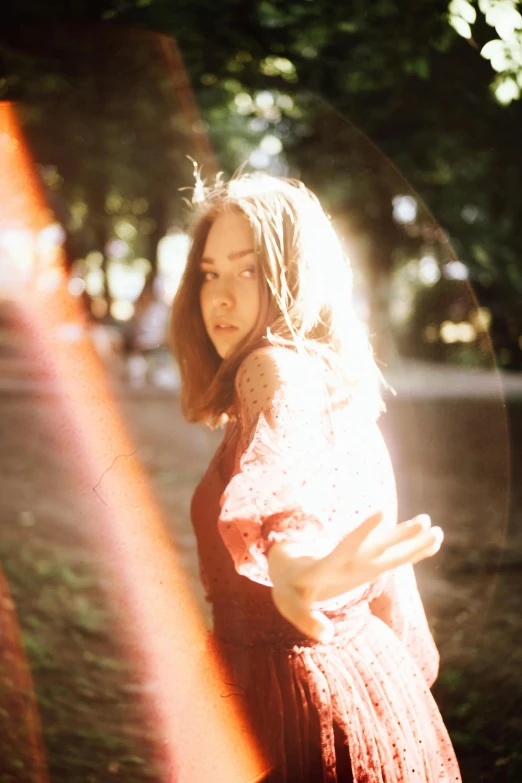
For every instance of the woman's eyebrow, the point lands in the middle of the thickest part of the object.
(235, 256)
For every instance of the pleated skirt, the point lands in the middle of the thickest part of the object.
(357, 709)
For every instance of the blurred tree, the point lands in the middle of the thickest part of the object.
(107, 127)
(505, 51)
(367, 103)
(370, 102)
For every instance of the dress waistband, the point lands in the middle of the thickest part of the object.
(255, 624)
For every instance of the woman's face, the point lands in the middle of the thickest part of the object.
(229, 295)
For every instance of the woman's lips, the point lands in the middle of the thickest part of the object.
(225, 329)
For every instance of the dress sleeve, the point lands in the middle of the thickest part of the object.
(399, 605)
(276, 492)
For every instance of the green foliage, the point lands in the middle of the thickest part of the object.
(376, 102)
(478, 729)
(80, 678)
(504, 51)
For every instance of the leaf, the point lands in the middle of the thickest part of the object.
(422, 68)
(464, 9)
(492, 48)
(347, 27)
(506, 91)
(460, 26)
(508, 23)
(495, 52)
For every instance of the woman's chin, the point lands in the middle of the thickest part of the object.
(225, 347)
(223, 350)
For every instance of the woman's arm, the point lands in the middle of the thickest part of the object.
(285, 500)
(276, 486)
(300, 580)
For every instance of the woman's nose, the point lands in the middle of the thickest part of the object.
(224, 294)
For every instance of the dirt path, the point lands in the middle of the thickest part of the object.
(451, 459)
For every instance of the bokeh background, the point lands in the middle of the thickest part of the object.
(405, 120)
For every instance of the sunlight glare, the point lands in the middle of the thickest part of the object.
(204, 736)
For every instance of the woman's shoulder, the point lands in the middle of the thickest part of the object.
(272, 376)
(274, 363)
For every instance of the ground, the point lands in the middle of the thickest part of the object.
(453, 456)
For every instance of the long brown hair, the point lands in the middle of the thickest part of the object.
(305, 292)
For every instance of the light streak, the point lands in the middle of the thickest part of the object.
(204, 735)
(18, 697)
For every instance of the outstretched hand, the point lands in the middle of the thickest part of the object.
(301, 580)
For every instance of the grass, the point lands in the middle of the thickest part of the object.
(486, 735)
(480, 691)
(89, 722)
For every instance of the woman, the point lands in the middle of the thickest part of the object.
(315, 606)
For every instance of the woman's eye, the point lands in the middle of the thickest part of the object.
(249, 272)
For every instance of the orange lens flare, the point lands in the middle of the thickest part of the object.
(204, 734)
(20, 722)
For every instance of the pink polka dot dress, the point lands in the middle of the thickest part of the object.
(295, 467)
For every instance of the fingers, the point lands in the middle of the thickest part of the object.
(354, 540)
(314, 625)
(311, 623)
(368, 542)
(362, 567)
(320, 627)
(425, 544)
(434, 548)
(405, 531)
(359, 558)
(356, 537)
(424, 520)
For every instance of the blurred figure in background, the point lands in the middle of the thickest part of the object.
(144, 340)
